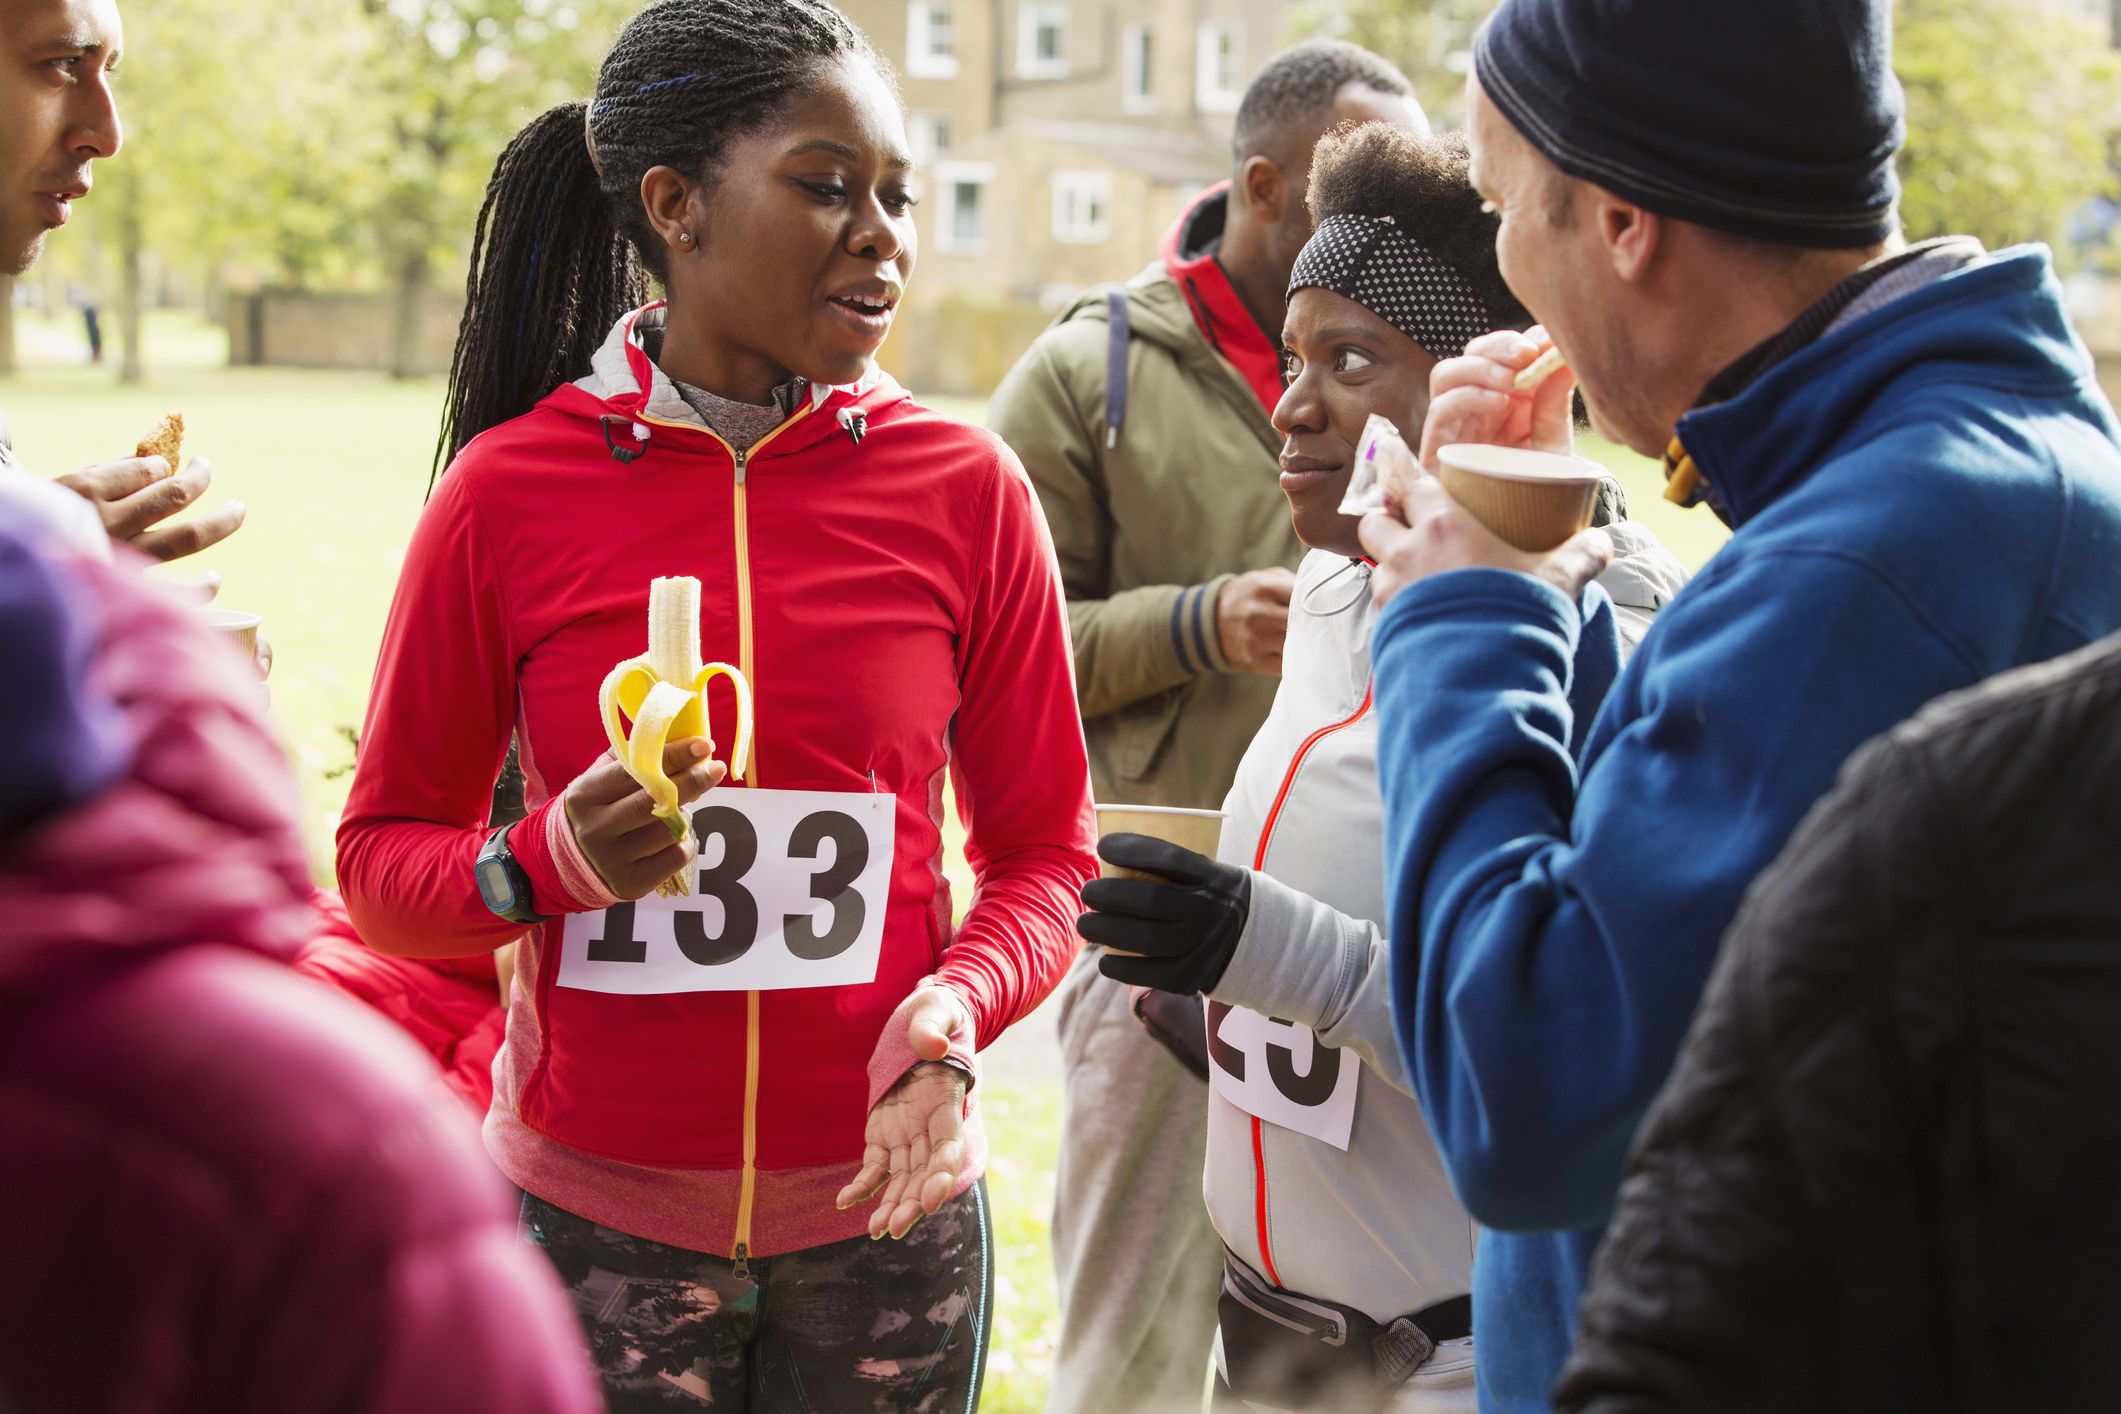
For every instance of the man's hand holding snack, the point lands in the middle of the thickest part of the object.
(1476, 397)
(135, 496)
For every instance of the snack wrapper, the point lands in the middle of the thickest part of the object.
(1385, 466)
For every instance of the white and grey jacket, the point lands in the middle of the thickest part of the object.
(1375, 1225)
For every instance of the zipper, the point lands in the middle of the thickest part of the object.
(744, 659)
(1296, 764)
(1259, 861)
(747, 1192)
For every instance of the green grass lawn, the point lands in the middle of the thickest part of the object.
(1023, 1138)
(333, 467)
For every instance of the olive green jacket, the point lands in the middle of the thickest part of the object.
(1148, 532)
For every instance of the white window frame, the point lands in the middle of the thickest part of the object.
(1137, 77)
(1078, 192)
(929, 134)
(1211, 93)
(947, 178)
(923, 61)
(1031, 17)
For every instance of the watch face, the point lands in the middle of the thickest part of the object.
(494, 886)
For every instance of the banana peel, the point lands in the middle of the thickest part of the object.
(663, 693)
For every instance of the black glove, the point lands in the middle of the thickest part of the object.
(1185, 931)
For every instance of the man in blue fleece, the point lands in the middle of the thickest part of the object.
(1925, 489)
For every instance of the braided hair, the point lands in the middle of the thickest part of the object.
(563, 247)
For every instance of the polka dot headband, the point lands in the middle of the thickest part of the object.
(1370, 260)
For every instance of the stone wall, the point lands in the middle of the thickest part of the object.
(304, 329)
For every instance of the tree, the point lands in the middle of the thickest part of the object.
(1430, 40)
(173, 97)
(2014, 108)
(455, 79)
(355, 158)
(2014, 111)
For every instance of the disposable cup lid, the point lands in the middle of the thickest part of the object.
(1518, 464)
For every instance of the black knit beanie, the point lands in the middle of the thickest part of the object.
(1774, 119)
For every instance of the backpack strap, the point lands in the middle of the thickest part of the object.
(1116, 363)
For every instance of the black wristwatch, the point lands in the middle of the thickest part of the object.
(502, 883)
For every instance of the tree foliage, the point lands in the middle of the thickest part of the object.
(2014, 106)
(329, 143)
(1430, 40)
(2014, 113)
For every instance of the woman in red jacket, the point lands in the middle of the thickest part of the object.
(713, 1101)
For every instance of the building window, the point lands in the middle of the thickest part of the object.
(1136, 77)
(1082, 207)
(1218, 80)
(1042, 40)
(931, 40)
(929, 134)
(961, 206)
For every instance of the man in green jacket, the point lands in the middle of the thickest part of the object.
(1162, 488)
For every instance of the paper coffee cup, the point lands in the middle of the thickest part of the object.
(1534, 500)
(243, 626)
(1198, 830)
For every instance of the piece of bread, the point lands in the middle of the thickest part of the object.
(166, 441)
(1542, 368)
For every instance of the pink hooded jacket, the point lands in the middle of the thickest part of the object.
(222, 1187)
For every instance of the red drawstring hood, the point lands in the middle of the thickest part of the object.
(1190, 250)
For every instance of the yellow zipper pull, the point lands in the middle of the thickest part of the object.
(743, 1261)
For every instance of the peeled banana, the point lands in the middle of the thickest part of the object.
(664, 692)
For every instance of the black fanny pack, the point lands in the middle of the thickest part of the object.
(1290, 1351)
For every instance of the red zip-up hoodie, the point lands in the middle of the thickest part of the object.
(884, 578)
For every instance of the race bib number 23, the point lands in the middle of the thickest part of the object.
(1280, 1072)
(789, 890)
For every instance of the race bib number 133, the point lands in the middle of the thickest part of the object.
(789, 890)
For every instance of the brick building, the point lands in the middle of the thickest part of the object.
(1058, 140)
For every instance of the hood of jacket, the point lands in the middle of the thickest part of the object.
(182, 830)
(1184, 303)
(1996, 327)
(629, 393)
(1643, 574)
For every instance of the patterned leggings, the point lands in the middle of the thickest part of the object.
(857, 1327)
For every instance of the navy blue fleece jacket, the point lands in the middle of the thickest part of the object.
(1924, 497)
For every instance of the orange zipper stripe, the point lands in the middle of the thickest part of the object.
(745, 659)
(1296, 763)
(1259, 861)
(747, 1191)
(1259, 1200)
